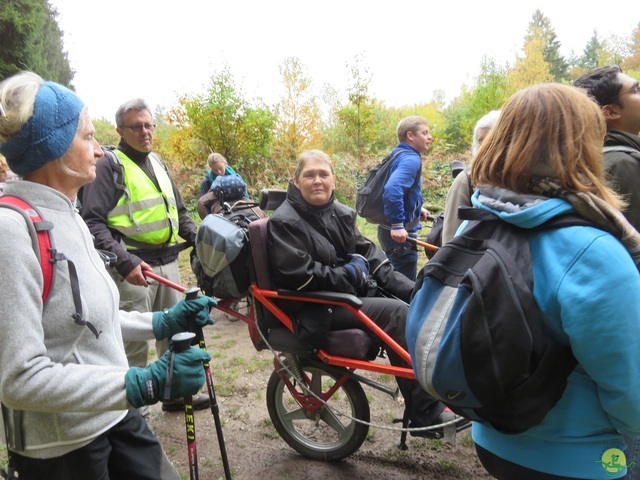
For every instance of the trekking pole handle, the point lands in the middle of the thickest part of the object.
(182, 341)
(422, 244)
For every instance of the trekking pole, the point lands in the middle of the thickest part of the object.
(180, 343)
(193, 326)
(215, 411)
(422, 244)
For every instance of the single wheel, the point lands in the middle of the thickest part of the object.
(317, 430)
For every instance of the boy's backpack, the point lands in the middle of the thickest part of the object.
(475, 334)
(369, 204)
(221, 264)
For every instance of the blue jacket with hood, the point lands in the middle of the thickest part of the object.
(402, 194)
(588, 290)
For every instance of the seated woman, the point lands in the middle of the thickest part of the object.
(316, 245)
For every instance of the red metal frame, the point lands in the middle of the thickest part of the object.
(267, 298)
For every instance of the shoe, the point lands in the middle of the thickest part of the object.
(199, 402)
(461, 424)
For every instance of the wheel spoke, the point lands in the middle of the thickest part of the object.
(333, 421)
(297, 414)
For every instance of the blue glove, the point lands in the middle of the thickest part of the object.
(176, 319)
(357, 269)
(145, 386)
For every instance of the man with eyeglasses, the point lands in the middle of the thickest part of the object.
(619, 98)
(135, 211)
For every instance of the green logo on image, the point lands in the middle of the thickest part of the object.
(614, 461)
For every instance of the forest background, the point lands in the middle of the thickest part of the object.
(262, 141)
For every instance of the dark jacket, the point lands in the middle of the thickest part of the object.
(99, 197)
(623, 171)
(310, 246)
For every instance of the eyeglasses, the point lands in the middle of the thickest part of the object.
(149, 127)
(634, 89)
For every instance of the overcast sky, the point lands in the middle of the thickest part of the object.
(158, 49)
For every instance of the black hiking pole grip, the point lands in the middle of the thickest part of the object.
(180, 343)
(194, 327)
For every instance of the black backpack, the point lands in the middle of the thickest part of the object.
(369, 204)
(474, 331)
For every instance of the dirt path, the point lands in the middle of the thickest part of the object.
(256, 451)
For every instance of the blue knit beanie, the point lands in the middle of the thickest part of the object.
(48, 133)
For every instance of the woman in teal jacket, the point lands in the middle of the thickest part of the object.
(541, 160)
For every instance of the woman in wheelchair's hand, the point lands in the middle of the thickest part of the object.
(316, 246)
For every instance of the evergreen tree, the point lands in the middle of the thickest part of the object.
(30, 39)
(590, 55)
(540, 28)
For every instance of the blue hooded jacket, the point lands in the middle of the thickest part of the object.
(588, 290)
(402, 194)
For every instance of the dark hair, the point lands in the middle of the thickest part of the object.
(602, 84)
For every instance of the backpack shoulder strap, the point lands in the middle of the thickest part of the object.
(42, 240)
(622, 148)
(40, 231)
(566, 220)
(116, 166)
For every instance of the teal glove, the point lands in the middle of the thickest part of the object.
(145, 386)
(176, 319)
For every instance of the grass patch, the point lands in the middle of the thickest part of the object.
(267, 430)
(229, 344)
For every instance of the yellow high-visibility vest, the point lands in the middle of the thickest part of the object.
(145, 216)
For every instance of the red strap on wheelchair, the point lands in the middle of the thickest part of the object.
(42, 235)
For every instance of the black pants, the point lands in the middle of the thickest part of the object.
(391, 315)
(128, 451)
(505, 470)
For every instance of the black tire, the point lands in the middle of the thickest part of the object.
(325, 435)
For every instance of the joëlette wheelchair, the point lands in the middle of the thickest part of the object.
(315, 397)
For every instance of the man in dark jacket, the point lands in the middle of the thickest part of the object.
(135, 211)
(316, 245)
(619, 98)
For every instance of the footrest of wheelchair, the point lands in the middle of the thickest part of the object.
(351, 343)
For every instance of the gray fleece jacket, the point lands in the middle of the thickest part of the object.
(62, 385)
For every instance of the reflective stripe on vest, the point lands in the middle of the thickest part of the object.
(143, 214)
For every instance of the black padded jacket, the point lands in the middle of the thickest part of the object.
(310, 245)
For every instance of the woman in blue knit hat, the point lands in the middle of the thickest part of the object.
(69, 399)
